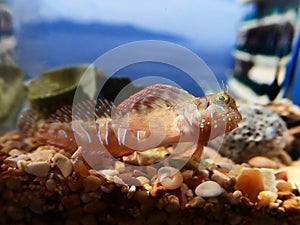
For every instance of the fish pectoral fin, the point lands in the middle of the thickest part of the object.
(198, 152)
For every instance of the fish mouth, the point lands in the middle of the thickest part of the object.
(234, 118)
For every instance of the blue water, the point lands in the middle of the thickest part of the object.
(43, 46)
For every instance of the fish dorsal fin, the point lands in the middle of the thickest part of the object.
(154, 96)
(85, 110)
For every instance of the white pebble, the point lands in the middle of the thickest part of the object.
(208, 189)
(170, 177)
(63, 163)
(39, 169)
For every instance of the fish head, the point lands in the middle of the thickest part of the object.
(217, 114)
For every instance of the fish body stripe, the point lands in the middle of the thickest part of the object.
(138, 136)
(124, 136)
(197, 111)
(99, 133)
(76, 131)
(119, 135)
(106, 133)
(86, 133)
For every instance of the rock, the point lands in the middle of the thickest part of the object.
(262, 162)
(195, 202)
(63, 163)
(173, 204)
(41, 154)
(39, 169)
(222, 179)
(50, 185)
(261, 132)
(170, 177)
(92, 183)
(252, 181)
(284, 186)
(209, 189)
(266, 198)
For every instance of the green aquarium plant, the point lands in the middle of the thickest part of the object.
(12, 95)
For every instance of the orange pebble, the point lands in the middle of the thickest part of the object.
(250, 183)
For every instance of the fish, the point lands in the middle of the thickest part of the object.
(158, 115)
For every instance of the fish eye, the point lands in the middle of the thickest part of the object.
(223, 98)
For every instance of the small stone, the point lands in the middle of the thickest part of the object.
(208, 189)
(195, 202)
(80, 167)
(220, 178)
(109, 174)
(63, 163)
(50, 185)
(170, 177)
(173, 204)
(284, 186)
(262, 162)
(266, 197)
(143, 180)
(281, 175)
(291, 204)
(15, 152)
(91, 183)
(39, 169)
(13, 160)
(235, 197)
(131, 191)
(250, 183)
(41, 155)
(119, 166)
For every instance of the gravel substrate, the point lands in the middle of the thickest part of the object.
(46, 185)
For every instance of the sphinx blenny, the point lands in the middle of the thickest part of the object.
(158, 115)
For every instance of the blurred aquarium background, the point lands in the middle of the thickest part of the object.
(47, 34)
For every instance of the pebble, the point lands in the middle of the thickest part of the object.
(250, 183)
(41, 154)
(50, 185)
(15, 152)
(109, 173)
(220, 178)
(173, 204)
(91, 183)
(235, 198)
(262, 162)
(63, 163)
(170, 177)
(284, 186)
(39, 169)
(266, 197)
(208, 189)
(195, 202)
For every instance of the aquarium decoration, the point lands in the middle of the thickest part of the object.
(266, 51)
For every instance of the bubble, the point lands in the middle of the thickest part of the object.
(146, 51)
